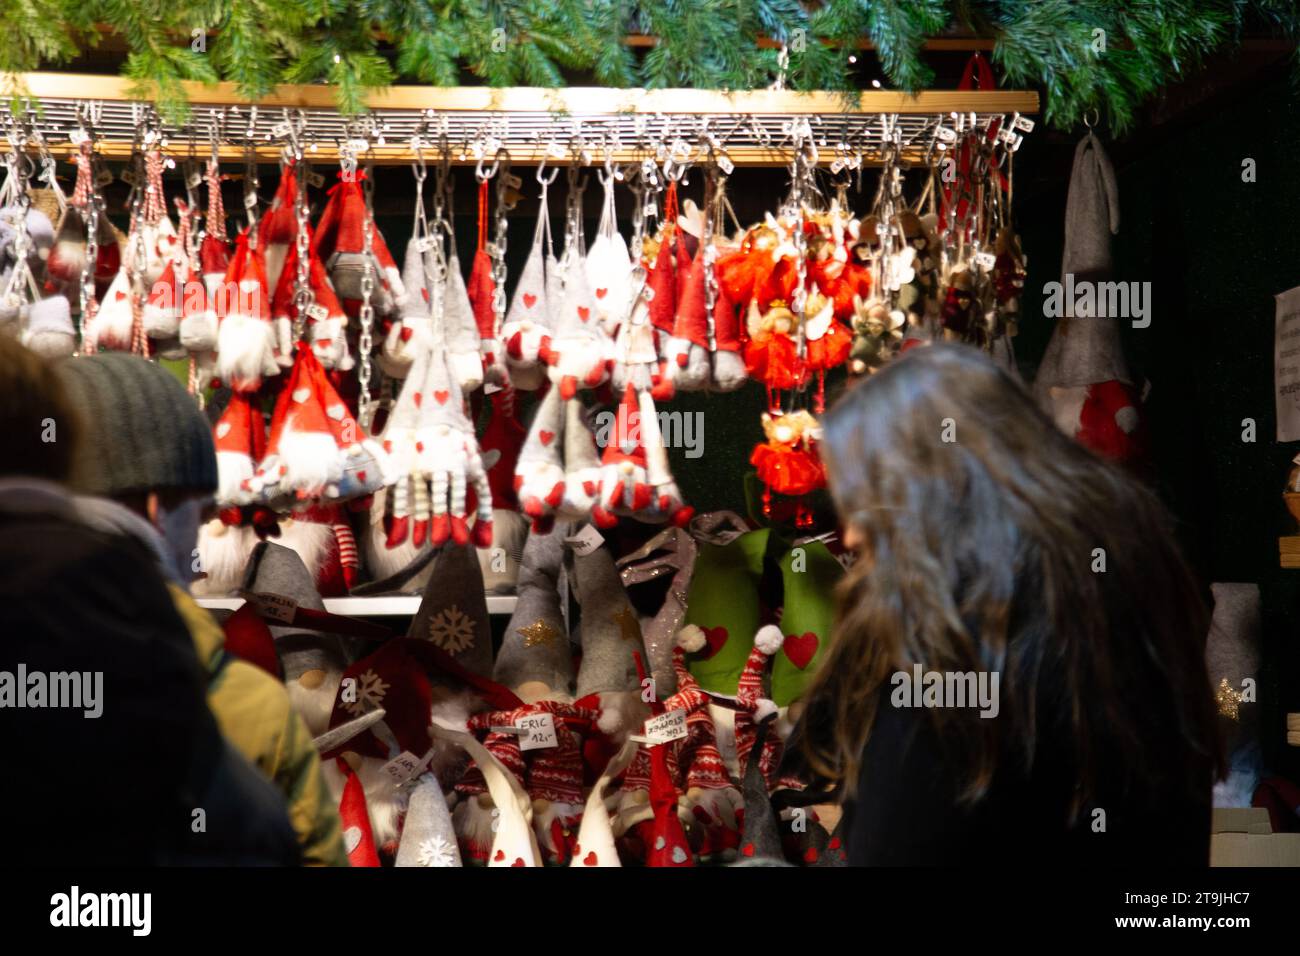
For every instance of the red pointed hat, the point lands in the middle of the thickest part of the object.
(358, 837)
(691, 323)
(625, 443)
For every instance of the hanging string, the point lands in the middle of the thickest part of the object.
(215, 220)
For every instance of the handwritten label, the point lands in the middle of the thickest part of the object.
(194, 179)
(318, 312)
(985, 261)
(250, 200)
(276, 607)
(666, 727)
(315, 179)
(104, 178)
(585, 541)
(538, 732)
(403, 767)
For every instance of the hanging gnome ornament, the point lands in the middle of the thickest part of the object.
(410, 333)
(581, 464)
(580, 353)
(487, 274)
(637, 361)
(527, 331)
(609, 264)
(1083, 381)
(350, 245)
(539, 473)
(624, 484)
(787, 462)
(245, 335)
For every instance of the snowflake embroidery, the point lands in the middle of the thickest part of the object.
(370, 694)
(452, 630)
(436, 851)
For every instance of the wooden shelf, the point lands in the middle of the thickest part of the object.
(397, 605)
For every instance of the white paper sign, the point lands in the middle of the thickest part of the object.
(1286, 365)
(666, 727)
(538, 732)
(585, 541)
(403, 767)
(277, 607)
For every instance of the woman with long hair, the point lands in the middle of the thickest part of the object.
(996, 553)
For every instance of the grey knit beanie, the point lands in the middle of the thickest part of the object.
(145, 432)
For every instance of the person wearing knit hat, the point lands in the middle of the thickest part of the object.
(427, 835)
(151, 462)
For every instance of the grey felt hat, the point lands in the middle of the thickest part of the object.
(427, 835)
(453, 612)
(146, 432)
(761, 835)
(610, 628)
(275, 569)
(536, 644)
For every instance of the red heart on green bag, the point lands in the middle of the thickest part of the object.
(800, 648)
(715, 638)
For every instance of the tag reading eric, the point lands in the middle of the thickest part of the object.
(538, 732)
(403, 767)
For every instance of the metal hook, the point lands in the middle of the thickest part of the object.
(1090, 123)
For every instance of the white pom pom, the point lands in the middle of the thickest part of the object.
(769, 639)
(690, 638)
(1127, 419)
(763, 709)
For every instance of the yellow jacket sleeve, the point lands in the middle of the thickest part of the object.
(252, 709)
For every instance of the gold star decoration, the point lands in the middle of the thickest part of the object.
(1229, 700)
(539, 633)
(625, 618)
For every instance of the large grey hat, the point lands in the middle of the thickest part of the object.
(145, 432)
(427, 835)
(611, 630)
(536, 645)
(275, 569)
(761, 834)
(453, 612)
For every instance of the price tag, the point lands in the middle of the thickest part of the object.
(838, 165)
(491, 388)
(556, 151)
(358, 145)
(315, 179)
(666, 727)
(946, 135)
(104, 178)
(1024, 124)
(585, 541)
(169, 163)
(280, 130)
(128, 176)
(276, 607)
(317, 312)
(1007, 135)
(250, 200)
(403, 767)
(538, 732)
(985, 261)
(194, 179)
(77, 137)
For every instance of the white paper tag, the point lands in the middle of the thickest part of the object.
(424, 243)
(317, 312)
(104, 178)
(315, 179)
(277, 607)
(1024, 124)
(77, 137)
(128, 176)
(985, 261)
(194, 180)
(403, 767)
(280, 130)
(491, 388)
(725, 164)
(250, 200)
(946, 135)
(539, 732)
(586, 541)
(666, 727)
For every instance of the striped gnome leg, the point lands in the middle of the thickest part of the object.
(478, 477)
(439, 527)
(349, 558)
(400, 527)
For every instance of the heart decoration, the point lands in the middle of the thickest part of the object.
(120, 295)
(679, 855)
(301, 395)
(491, 457)
(715, 638)
(223, 429)
(748, 849)
(546, 437)
(660, 843)
(584, 313)
(501, 855)
(529, 300)
(418, 398)
(800, 648)
(441, 395)
(519, 861)
(589, 859)
(600, 293)
(336, 412)
(351, 838)
(810, 855)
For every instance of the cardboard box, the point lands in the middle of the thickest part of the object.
(1243, 836)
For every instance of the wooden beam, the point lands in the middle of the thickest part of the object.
(574, 99)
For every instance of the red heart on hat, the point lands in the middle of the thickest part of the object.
(546, 437)
(418, 398)
(589, 859)
(810, 855)
(441, 396)
(800, 648)
(120, 295)
(600, 293)
(584, 313)
(834, 844)
(519, 861)
(589, 487)
(748, 849)
(501, 855)
(715, 638)
(529, 300)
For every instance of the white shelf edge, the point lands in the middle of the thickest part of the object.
(399, 605)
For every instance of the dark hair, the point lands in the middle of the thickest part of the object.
(38, 419)
(983, 529)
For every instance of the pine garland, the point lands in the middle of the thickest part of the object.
(1108, 55)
